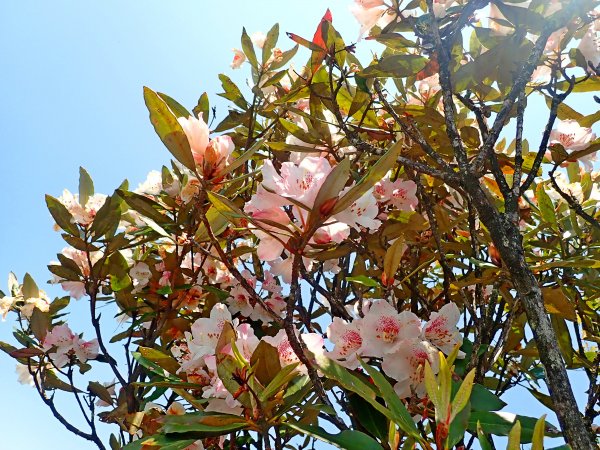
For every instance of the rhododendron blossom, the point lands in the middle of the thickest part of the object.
(386, 328)
(82, 214)
(238, 58)
(287, 356)
(407, 364)
(68, 344)
(348, 342)
(441, 329)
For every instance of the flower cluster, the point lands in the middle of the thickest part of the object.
(212, 155)
(399, 338)
(66, 344)
(198, 356)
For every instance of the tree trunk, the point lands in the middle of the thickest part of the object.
(507, 238)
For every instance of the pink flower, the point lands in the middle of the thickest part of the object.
(238, 58)
(239, 301)
(362, 213)
(217, 154)
(347, 340)
(368, 14)
(590, 45)
(287, 356)
(205, 332)
(299, 182)
(400, 194)
(441, 328)
(406, 365)
(68, 344)
(197, 133)
(336, 232)
(384, 329)
(82, 214)
(571, 135)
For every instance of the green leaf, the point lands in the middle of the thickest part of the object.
(514, 437)
(168, 129)
(61, 215)
(500, 424)
(177, 109)
(401, 416)
(537, 442)
(146, 207)
(217, 222)
(545, 205)
(161, 359)
(364, 280)
(374, 175)
(270, 43)
(107, 219)
(39, 323)
(86, 187)
(232, 92)
(396, 66)
(462, 396)
(202, 422)
(482, 437)
(347, 439)
(265, 363)
(329, 192)
(203, 107)
(248, 48)
(30, 289)
(368, 417)
(483, 400)
(100, 391)
(159, 442)
(285, 375)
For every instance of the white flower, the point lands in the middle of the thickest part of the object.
(384, 329)
(238, 58)
(258, 38)
(441, 329)
(347, 340)
(406, 365)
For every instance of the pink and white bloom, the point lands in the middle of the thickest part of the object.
(238, 58)
(362, 213)
(384, 329)
(67, 344)
(140, 275)
(76, 289)
(369, 13)
(348, 342)
(299, 182)
(239, 301)
(82, 214)
(401, 194)
(42, 303)
(441, 329)
(258, 38)
(589, 46)
(571, 135)
(205, 332)
(287, 356)
(407, 364)
(197, 133)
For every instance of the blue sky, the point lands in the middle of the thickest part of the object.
(71, 89)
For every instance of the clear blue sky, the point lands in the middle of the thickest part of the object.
(71, 88)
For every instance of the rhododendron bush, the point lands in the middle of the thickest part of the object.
(369, 254)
